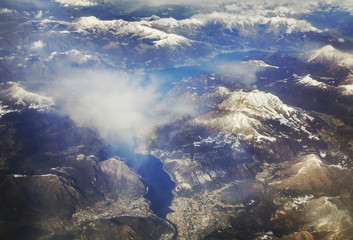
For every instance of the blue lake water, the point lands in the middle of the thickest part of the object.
(154, 177)
(158, 182)
(172, 75)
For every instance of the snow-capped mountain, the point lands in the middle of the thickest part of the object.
(310, 82)
(169, 32)
(78, 3)
(347, 86)
(260, 63)
(304, 176)
(92, 25)
(347, 89)
(244, 113)
(331, 55)
(75, 56)
(248, 24)
(14, 96)
(243, 128)
(239, 118)
(247, 132)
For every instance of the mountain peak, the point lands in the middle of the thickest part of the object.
(330, 54)
(11, 93)
(309, 81)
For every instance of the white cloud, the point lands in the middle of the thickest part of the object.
(243, 72)
(115, 104)
(299, 6)
(7, 11)
(39, 14)
(281, 7)
(345, 4)
(73, 56)
(119, 106)
(37, 45)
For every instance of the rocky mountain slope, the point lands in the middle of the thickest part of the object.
(56, 182)
(253, 167)
(184, 120)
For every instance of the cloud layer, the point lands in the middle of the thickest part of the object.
(294, 6)
(114, 103)
(121, 107)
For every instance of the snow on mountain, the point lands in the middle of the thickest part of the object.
(307, 164)
(279, 7)
(306, 174)
(92, 25)
(3, 111)
(308, 81)
(245, 23)
(12, 93)
(77, 3)
(257, 103)
(273, 7)
(260, 63)
(49, 23)
(347, 89)
(279, 20)
(173, 23)
(330, 54)
(74, 55)
(172, 40)
(245, 113)
(170, 32)
(327, 215)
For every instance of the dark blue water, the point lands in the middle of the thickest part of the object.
(159, 183)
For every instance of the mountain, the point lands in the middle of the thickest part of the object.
(183, 120)
(347, 86)
(12, 95)
(222, 159)
(57, 181)
(332, 55)
(308, 81)
(92, 25)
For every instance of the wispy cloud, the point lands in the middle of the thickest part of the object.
(119, 106)
(295, 6)
(243, 72)
(114, 103)
(37, 45)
